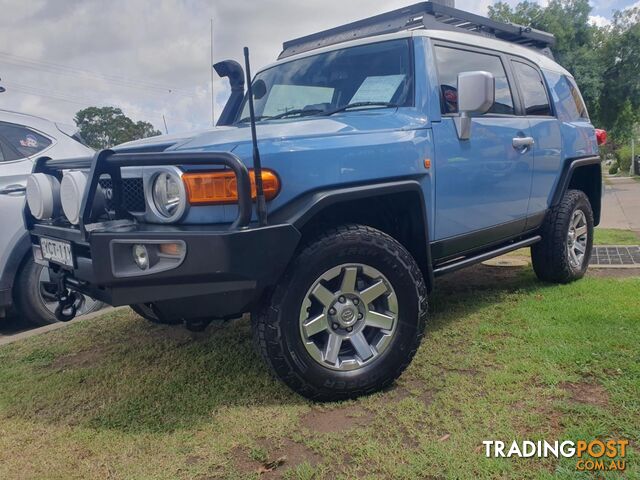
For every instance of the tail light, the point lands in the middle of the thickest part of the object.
(216, 188)
(601, 136)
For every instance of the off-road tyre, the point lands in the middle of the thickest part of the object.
(550, 256)
(277, 330)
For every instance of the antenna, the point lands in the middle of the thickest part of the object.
(213, 96)
(261, 205)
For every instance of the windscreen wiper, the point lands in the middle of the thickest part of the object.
(299, 111)
(360, 105)
(258, 118)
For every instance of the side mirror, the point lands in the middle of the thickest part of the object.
(476, 96)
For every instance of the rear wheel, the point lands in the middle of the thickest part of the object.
(564, 253)
(35, 297)
(347, 317)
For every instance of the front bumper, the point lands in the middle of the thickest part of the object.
(224, 272)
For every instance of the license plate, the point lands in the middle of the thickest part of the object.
(56, 251)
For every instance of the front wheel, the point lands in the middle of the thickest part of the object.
(347, 317)
(564, 253)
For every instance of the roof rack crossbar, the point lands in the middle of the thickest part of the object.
(427, 15)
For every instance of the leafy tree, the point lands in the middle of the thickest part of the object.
(620, 98)
(104, 127)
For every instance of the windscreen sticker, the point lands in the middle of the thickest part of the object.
(378, 89)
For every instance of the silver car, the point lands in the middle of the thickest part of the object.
(24, 286)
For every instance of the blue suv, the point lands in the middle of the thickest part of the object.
(385, 153)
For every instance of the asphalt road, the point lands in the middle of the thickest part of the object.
(11, 332)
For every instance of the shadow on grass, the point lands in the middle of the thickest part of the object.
(121, 372)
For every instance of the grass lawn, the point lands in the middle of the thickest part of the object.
(505, 358)
(611, 236)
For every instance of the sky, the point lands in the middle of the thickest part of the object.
(152, 57)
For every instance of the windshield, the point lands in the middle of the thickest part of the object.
(368, 76)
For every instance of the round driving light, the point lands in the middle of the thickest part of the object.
(141, 256)
(43, 195)
(71, 192)
(168, 195)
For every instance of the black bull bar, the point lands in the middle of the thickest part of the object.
(110, 163)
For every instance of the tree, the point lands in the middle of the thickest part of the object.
(104, 127)
(620, 99)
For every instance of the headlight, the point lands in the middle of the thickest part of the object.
(43, 195)
(71, 192)
(168, 195)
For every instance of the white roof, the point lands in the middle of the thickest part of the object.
(464, 38)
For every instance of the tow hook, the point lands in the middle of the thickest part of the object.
(67, 300)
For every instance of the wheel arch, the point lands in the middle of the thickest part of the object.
(396, 208)
(583, 174)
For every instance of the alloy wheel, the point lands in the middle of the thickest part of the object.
(349, 317)
(577, 238)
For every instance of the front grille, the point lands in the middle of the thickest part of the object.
(132, 194)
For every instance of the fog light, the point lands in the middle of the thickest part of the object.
(141, 256)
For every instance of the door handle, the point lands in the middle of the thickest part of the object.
(15, 190)
(522, 143)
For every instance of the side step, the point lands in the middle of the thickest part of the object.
(468, 261)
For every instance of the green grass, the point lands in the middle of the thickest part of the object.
(611, 236)
(117, 397)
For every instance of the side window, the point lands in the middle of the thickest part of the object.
(534, 91)
(23, 140)
(567, 98)
(577, 98)
(452, 61)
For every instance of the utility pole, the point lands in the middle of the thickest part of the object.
(213, 97)
(166, 130)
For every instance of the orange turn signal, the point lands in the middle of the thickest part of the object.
(212, 188)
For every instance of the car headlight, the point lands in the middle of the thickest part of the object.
(72, 190)
(169, 196)
(43, 195)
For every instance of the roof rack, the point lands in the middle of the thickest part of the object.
(424, 15)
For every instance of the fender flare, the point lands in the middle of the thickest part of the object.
(568, 170)
(304, 208)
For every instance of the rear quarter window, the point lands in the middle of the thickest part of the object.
(23, 140)
(569, 103)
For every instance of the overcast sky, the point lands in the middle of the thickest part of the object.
(152, 57)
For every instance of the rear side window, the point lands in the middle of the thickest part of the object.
(23, 140)
(534, 91)
(452, 61)
(569, 103)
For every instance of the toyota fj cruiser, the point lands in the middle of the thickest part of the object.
(380, 155)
